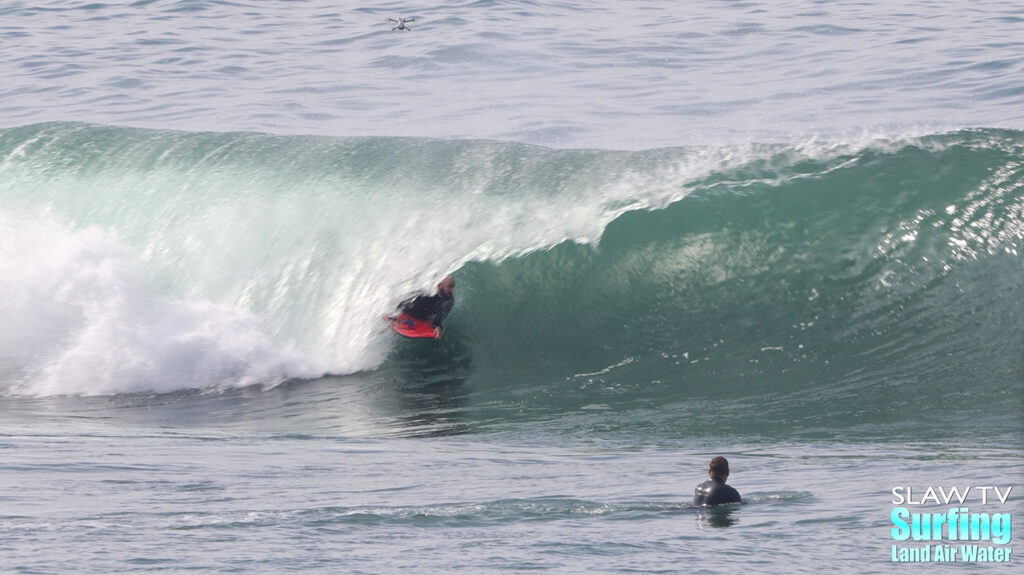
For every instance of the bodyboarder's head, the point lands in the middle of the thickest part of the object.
(446, 287)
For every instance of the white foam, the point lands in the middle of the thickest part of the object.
(78, 316)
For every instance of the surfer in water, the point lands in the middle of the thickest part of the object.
(714, 491)
(432, 308)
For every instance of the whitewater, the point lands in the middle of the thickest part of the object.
(787, 233)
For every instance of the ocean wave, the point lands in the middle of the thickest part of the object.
(881, 265)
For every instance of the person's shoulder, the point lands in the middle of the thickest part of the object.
(732, 494)
(702, 492)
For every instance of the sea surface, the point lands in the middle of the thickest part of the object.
(789, 233)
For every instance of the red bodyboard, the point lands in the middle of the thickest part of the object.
(410, 326)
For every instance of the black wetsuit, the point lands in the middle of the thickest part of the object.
(714, 491)
(429, 307)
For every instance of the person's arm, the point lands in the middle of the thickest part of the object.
(700, 494)
(408, 303)
(444, 307)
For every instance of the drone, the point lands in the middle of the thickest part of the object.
(401, 23)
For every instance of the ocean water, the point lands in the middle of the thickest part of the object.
(787, 233)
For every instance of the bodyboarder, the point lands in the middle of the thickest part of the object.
(433, 308)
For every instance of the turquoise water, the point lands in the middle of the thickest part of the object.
(787, 234)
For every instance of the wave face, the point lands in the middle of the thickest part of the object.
(881, 285)
(868, 280)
